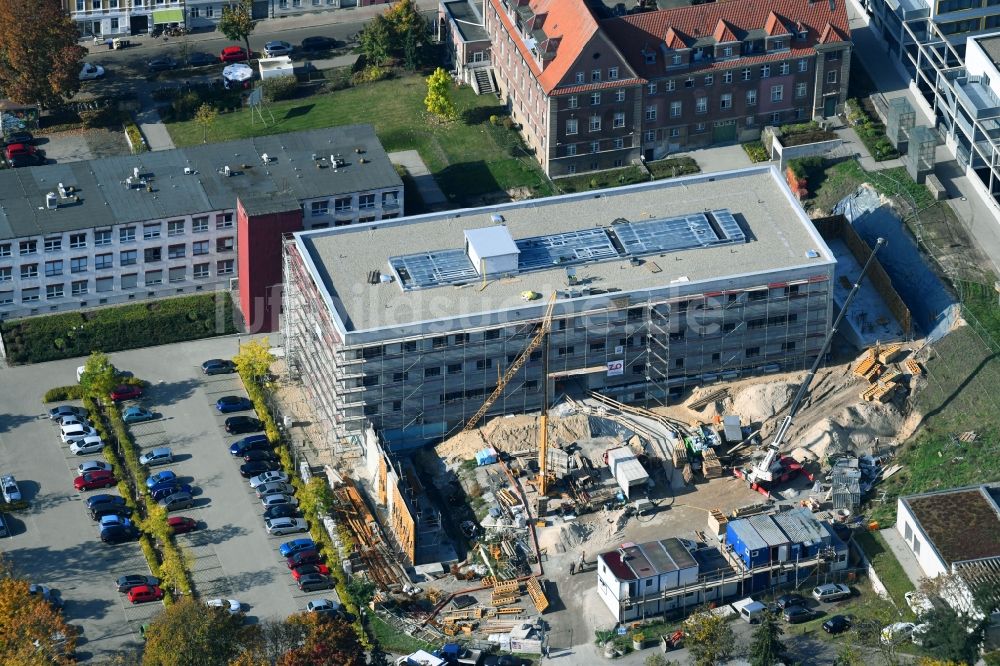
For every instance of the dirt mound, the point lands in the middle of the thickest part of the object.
(512, 434)
(760, 402)
(853, 428)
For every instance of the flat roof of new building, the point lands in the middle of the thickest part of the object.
(777, 235)
(468, 16)
(298, 167)
(991, 46)
(962, 524)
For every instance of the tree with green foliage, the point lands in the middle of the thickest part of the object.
(376, 40)
(188, 633)
(237, 21)
(848, 655)
(658, 660)
(99, 377)
(709, 638)
(952, 636)
(361, 590)
(330, 641)
(255, 358)
(205, 117)
(438, 100)
(767, 648)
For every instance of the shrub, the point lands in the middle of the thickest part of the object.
(184, 106)
(755, 151)
(494, 119)
(60, 393)
(508, 122)
(135, 139)
(279, 88)
(672, 167)
(370, 74)
(157, 322)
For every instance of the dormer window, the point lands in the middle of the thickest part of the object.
(778, 44)
(727, 51)
(678, 59)
(612, 73)
(803, 35)
(650, 57)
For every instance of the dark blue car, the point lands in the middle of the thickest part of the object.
(166, 476)
(103, 498)
(233, 403)
(251, 443)
(159, 491)
(289, 548)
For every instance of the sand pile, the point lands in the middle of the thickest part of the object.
(512, 434)
(760, 402)
(853, 428)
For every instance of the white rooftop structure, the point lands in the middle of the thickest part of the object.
(626, 468)
(492, 250)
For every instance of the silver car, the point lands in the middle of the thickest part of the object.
(159, 456)
(11, 493)
(277, 48)
(274, 488)
(177, 501)
(282, 526)
(275, 500)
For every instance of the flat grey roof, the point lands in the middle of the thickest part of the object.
(800, 526)
(103, 198)
(767, 530)
(991, 46)
(468, 16)
(779, 237)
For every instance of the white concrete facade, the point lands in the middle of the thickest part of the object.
(119, 17)
(909, 528)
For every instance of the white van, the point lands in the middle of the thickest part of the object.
(749, 610)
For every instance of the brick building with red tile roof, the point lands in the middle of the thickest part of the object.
(592, 95)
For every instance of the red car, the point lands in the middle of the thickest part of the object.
(126, 392)
(144, 593)
(102, 478)
(18, 149)
(233, 54)
(182, 524)
(302, 557)
(310, 569)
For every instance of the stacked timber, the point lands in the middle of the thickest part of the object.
(711, 468)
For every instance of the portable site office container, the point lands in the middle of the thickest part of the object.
(804, 532)
(747, 543)
(777, 542)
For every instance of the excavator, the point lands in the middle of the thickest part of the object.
(772, 468)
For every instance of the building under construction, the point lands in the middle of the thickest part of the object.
(409, 324)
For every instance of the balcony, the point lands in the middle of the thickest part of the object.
(978, 99)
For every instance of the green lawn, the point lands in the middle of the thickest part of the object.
(394, 641)
(886, 566)
(469, 157)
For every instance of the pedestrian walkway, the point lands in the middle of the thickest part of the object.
(431, 195)
(903, 555)
(150, 123)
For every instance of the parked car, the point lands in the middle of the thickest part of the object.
(19, 136)
(136, 414)
(267, 477)
(786, 600)
(87, 445)
(232, 605)
(4, 528)
(323, 606)
(119, 534)
(273, 500)
(126, 392)
(177, 501)
(12, 150)
(797, 614)
(897, 631)
(251, 443)
(318, 43)
(168, 489)
(104, 498)
(26, 160)
(919, 633)
(143, 593)
(162, 455)
(75, 420)
(9, 488)
(46, 593)
(282, 511)
(89, 72)
(831, 592)
(62, 411)
(93, 466)
(200, 59)
(160, 477)
(918, 602)
(182, 524)
(258, 467)
(314, 582)
(236, 425)
(233, 54)
(260, 456)
(105, 509)
(162, 64)
(126, 583)
(92, 480)
(289, 548)
(76, 432)
(302, 557)
(321, 569)
(837, 624)
(233, 403)
(273, 488)
(277, 48)
(218, 366)
(112, 520)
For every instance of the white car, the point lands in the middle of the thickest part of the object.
(74, 420)
(919, 633)
(92, 444)
(232, 605)
(918, 602)
(268, 477)
(282, 526)
(278, 499)
(897, 631)
(93, 466)
(322, 606)
(8, 486)
(91, 72)
(74, 433)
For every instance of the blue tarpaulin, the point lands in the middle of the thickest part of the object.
(486, 456)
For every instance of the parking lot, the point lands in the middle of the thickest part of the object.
(55, 543)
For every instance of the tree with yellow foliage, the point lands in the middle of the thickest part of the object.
(32, 631)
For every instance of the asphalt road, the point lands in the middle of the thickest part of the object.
(56, 544)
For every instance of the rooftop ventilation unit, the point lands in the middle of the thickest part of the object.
(491, 250)
(265, 158)
(51, 201)
(497, 218)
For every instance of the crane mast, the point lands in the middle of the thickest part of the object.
(765, 468)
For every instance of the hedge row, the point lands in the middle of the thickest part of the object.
(314, 500)
(156, 322)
